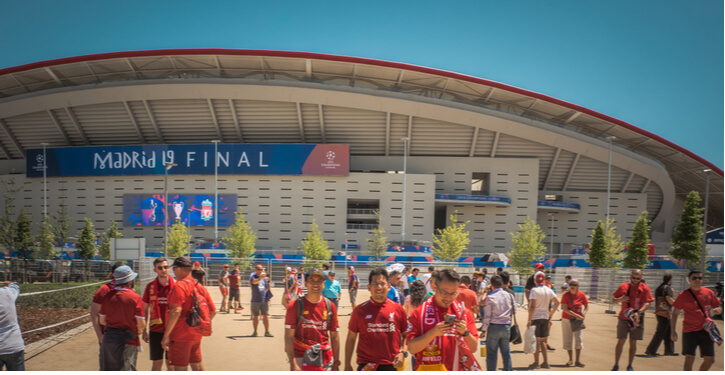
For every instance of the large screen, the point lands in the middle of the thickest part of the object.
(195, 210)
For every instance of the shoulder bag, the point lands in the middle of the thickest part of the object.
(515, 337)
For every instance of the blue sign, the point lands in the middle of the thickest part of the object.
(715, 237)
(475, 198)
(237, 159)
(573, 206)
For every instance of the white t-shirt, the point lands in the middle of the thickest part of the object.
(540, 297)
(425, 278)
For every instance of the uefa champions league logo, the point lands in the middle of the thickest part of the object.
(330, 156)
(39, 159)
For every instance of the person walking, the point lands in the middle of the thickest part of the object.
(122, 314)
(394, 292)
(259, 283)
(498, 310)
(224, 287)
(353, 283)
(575, 306)
(663, 305)
(699, 304)
(441, 328)
(333, 289)
(542, 305)
(311, 321)
(98, 328)
(635, 297)
(12, 346)
(380, 324)
(155, 307)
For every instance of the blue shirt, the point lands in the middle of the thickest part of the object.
(259, 290)
(396, 296)
(332, 289)
(11, 341)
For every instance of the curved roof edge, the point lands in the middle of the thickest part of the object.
(360, 60)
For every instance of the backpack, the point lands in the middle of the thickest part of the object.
(199, 317)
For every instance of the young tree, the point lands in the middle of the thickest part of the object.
(46, 249)
(23, 241)
(61, 224)
(687, 237)
(7, 221)
(638, 247)
(605, 251)
(528, 246)
(241, 240)
(105, 242)
(597, 255)
(377, 241)
(315, 247)
(86, 248)
(451, 241)
(178, 240)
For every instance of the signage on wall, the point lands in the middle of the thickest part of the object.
(191, 210)
(235, 159)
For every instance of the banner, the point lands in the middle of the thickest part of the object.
(234, 159)
(191, 210)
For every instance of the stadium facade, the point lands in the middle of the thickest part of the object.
(496, 154)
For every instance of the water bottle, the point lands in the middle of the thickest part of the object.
(483, 346)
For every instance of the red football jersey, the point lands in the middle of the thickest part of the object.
(379, 327)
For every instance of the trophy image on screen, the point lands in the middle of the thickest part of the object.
(178, 207)
(152, 216)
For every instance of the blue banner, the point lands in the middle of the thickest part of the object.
(574, 206)
(237, 159)
(475, 198)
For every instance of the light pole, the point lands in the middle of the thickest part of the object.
(405, 174)
(609, 172)
(216, 192)
(551, 244)
(704, 224)
(167, 165)
(45, 183)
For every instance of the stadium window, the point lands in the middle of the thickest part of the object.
(480, 183)
(553, 197)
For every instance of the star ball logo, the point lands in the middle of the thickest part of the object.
(330, 164)
(39, 164)
(330, 156)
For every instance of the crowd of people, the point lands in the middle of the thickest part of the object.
(430, 321)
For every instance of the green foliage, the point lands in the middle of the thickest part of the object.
(7, 222)
(687, 237)
(597, 257)
(86, 248)
(637, 248)
(451, 241)
(528, 246)
(315, 247)
(241, 240)
(105, 241)
(46, 250)
(61, 224)
(24, 242)
(178, 240)
(72, 298)
(377, 241)
(605, 250)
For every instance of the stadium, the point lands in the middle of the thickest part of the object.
(305, 136)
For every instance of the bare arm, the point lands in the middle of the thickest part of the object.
(140, 325)
(144, 334)
(419, 343)
(95, 314)
(554, 308)
(335, 343)
(289, 338)
(349, 349)
(174, 314)
(102, 320)
(673, 324)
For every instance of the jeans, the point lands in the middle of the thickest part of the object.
(662, 333)
(13, 362)
(497, 337)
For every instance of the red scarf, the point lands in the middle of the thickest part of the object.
(432, 354)
(156, 317)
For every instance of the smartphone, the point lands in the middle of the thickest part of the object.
(450, 319)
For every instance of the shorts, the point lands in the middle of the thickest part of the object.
(224, 290)
(233, 295)
(181, 353)
(623, 330)
(156, 351)
(260, 308)
(542, 327)
(691, 340)
(353, 295)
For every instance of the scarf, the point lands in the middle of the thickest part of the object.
(432, 355)
(154, 287)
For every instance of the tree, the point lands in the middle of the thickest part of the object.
(178, 240)
(61, 224)
(23, 241)
(241, 240)
(377, 241)
(528, 246)
(687, 237)
(7, 222)
(86, 247)
(46, 249)
(105, 243)
(605, 251)
(451, 241)
(315, 247)
(638, 247)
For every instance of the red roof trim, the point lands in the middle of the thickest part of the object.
(359, 60)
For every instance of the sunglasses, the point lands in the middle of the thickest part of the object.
(636, 278)
(161, 268)
(697, 278)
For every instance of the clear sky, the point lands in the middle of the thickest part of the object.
(657, 65)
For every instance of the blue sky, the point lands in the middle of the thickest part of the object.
(657, 65)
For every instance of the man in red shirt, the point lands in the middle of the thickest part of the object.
(96, 309)
(317, 321)
(467, 296)
(155, 305)
(432, 339)
(122, 314)
(381, 324)
(635, 297)
(699, 304)
(181, 342)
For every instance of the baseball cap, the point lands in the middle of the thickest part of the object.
(294, 270)
(289, 268)
(351, 268)
(314, 271)
(539, 265)
(197, 263)
(226, 266)
(182, 262)
(124, 274)
(330, 273)
(539, 278)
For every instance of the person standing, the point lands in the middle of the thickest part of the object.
(699, 305)
(434, 337)
(498, 311)
(290, 287)
(413, 276)
(394, 292)
(530, 284)
(663, 305)
(319, 325)
(575, 306)
(353, 283)
(98, 328)
(12, 346)
(506, 283)
(380, 323)
(635, 297)
(404, 281)
(466, 296)
(259, 282)
(224, 287)
(426, 279)
(155, 307)
(123, 316)
(542, 305)
(333, 289)
(565, 286)
(301, 280)
(234, 281)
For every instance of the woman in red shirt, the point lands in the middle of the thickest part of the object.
(575, 305)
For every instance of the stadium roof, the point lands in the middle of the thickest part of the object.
(683, 166)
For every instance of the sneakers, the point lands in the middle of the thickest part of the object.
(545, 365)
(630, 368)
(615, 368)
(534, 365)
(570, 364)
(672, 354)
(549, 347)
(268, 334)
(650, 355)
(240, 308)
(579, 364)
(254, 334)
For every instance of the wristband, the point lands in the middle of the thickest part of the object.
(465, 334)
(404, 353)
